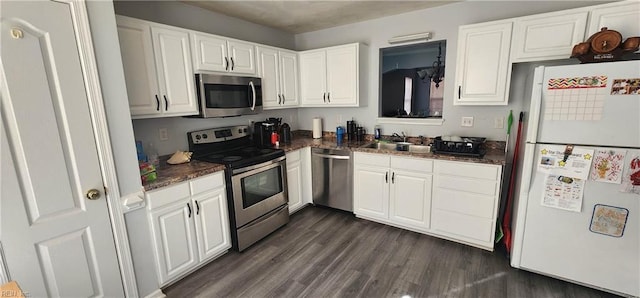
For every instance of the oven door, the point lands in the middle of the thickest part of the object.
(259, 189)
(223, 96)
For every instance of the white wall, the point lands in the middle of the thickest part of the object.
(107, 50)
(443, 22)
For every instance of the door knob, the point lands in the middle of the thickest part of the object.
(93, 194)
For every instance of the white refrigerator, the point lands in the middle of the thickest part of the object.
(577, 211)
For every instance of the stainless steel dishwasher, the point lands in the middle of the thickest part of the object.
(332, 175)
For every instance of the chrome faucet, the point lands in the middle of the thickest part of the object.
(396, 135)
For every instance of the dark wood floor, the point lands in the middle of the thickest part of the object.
(328, 253)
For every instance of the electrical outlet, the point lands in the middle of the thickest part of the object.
(164, 135)
(467, 122)
(498, 122)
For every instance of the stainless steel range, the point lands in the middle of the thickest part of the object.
(256, 181)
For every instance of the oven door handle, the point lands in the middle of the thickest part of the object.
(273, 163)
(253, 91)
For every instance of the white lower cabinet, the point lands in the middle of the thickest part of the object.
(453, 200)
(465, 202)
(190, 225)
(298, 178)
(393, 190)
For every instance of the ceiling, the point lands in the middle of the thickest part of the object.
(299, 16)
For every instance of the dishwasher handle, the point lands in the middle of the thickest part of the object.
(331, 156)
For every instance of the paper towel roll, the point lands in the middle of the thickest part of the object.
(317, 128)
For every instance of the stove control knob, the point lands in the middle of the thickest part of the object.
(204, 136)
(244, 130)
(198, 137)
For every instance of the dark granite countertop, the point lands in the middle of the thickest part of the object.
(495, 155)
(171, 174)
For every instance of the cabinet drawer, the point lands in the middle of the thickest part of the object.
(465, 203)
(478, 230)
(379, 160)
(206, 183)
(167, 195)
(485, 187)
(412, 164)
(472, 170)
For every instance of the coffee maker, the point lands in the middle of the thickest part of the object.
(262, 131)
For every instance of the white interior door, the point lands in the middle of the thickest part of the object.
(56, 241)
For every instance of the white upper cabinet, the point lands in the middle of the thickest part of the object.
(482, 66)
(331, 76)
(289, 74)
(313, 78)
(220, 54)
(547, 36)
(279, 72)
(157, 69)
(173, 63)
(623, 17)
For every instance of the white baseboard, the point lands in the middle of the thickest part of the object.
(156, 294)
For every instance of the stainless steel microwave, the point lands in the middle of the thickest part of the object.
(226, 96)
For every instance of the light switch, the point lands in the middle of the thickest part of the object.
(498, 122)
(163, 134)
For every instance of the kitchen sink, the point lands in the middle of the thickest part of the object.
(393, 146)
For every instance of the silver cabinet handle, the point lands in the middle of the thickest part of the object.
(279, 99)
(283, 98)
(253, 91)
(331, 156)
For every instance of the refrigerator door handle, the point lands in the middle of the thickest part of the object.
(536, 105)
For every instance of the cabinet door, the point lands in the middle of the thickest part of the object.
(294, 184)
(174, 239)
(242, 57)
(175, 74)
(289, 79)
(371, 191)
(547, 36)
(211, 223)
(136, 49)
(623, 17)
(342, 76)
(410, 198)
(313, 78)
(209, 53)
(269, 71)
(483, 70)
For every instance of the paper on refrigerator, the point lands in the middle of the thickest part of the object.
(576, 165)
(563, 192)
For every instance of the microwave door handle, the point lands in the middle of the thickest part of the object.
(253, 91)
